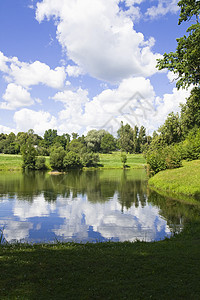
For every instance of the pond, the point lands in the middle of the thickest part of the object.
(85, 206)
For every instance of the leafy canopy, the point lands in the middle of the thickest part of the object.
(185, 61)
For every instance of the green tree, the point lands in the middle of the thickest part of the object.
(93, 139)
(125, 138)
(185, 61)
(28, 155)
(72, 160)
(170, 131)
(108, 143)
(90, 159)
(49, 136)
(57, 158)
(190, 112)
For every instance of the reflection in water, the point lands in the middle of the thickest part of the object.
(85, 206)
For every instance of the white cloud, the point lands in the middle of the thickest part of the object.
(39, 121)
(5, 129)
(74, 71)
(16, 96)
(29, 74)
(36, 73)
(3, 61)
(99, 39)
(164, 7)
(133, 102)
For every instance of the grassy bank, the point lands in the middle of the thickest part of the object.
(108, 161)
(169, 269)
(184, 181)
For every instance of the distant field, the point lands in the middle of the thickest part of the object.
(108, 161)
(10, 162)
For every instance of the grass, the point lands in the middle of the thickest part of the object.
(108, 161)
(182, 181)
(113, 161)
(169, 269)
(10, 162)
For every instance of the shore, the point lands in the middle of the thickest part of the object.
(183, 182)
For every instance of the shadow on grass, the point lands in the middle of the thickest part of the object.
(169, 270)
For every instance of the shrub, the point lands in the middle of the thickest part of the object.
(90, 159)
(40, 163)
(72, 160)
(57, 158)
(162, 159)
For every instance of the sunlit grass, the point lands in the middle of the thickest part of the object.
(185, 180)
(108, 161)
(113, 160)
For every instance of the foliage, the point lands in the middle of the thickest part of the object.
(190, 112)
(93, 139)
(190, 148)
(40, 163)
(50, 136)
(28, 155)
(125, 138)
(57, 158)
(108, 143)
(170, 131)
(160, 159)
(90, 159)
(185, 61)
(72, 160)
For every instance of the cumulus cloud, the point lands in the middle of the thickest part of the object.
(99, 39)
(5, 129)
(35, 73)
(74, 71)
(30, 74)
(163, 7)
(39, 121)
(16, 96)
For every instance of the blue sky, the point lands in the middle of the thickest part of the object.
(79, 65)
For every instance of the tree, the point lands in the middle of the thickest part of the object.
(90, 159)
(108, 143)
(49, 136)
(185, 61)
(72, 160)
(190, 112)
(28, 155)
(170, 131)
(93, 139)
(57, 157)
(125, 138)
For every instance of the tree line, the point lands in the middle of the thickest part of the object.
(71, 151)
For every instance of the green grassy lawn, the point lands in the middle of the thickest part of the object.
(182, 181)
(169, 269)
(10, 162)
(113, 161)
(108, 161)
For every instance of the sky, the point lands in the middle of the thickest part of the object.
(78, 65)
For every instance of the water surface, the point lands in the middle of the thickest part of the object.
(85, 206)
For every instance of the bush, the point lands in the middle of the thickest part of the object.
(28, 156)
(72, 160)
(57, 158)
(40, 163)
(90, 159)
(162, 159)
